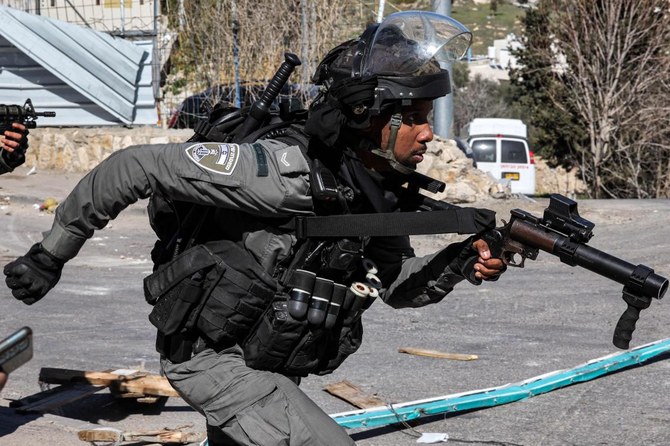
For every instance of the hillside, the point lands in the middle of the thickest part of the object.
(487, 25)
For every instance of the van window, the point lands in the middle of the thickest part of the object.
(484, 150)
(513, 152)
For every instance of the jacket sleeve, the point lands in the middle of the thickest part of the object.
(410, 281)
(268, 178)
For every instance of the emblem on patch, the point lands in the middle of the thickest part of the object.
(215, 157)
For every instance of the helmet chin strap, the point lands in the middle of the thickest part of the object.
(388, 154)
(396, 122)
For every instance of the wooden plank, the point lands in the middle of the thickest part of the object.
(156, 436)
(130, 381)
(78, 384)
(100, 434)
(437, 354)
(353, 395)
(152, 385)
(66, 376)
(34, 397)
(181, 437)
(30, 399)
(55, 398)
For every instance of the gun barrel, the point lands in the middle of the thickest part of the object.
(21, 113)
(599, 262)
(615, 269)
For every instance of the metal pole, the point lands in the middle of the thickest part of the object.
(236, 57)
(443, 108)
(123, 17)
(156, 62)
(380, 11)
(157, 9)
(304, 45)
(375, 417)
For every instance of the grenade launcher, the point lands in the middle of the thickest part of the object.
(563, 233)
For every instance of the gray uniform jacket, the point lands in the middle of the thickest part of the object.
(266, 179)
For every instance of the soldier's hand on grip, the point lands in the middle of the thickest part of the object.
(31, 276)
(13, 146)
(476, 262)
(15, 138)
(487, 267)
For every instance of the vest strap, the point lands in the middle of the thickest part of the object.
(458, 220)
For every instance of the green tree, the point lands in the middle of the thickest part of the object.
(536, 89)
(460, 75)
(595, 79)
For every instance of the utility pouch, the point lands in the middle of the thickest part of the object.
(284, 345)
(274, 338)
(349, 340)
(322, 351)
(237, 298)
(177, 289)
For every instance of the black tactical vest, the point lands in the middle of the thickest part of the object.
(220, 290)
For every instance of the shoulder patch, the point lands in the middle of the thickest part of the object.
(215, 157)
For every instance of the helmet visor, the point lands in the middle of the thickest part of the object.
(414, 43)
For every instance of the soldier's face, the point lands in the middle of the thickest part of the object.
(414, 133)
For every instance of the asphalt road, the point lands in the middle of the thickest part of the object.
(546, 317)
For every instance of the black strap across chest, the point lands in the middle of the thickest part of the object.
(456, 220)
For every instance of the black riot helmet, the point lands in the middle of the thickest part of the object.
(405, 54)
(391, 64)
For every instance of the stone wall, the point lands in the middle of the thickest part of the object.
(465, 184)
(550, 180)
(81, 149)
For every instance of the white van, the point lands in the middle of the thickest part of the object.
(500, 147)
